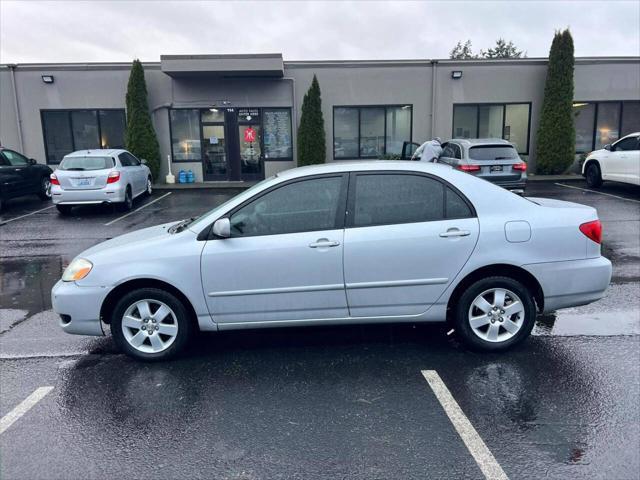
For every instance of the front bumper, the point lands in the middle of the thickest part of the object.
(110, 194)
(78, 307)
(572, 283)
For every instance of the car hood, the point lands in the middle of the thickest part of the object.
(144, 235)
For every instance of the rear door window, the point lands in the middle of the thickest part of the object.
(386, 199)
(86, 163)
(493, 152)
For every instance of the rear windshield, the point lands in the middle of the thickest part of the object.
(493, 152)
(86, 163)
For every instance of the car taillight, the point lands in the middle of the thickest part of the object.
(469, 168)
(54, 179)
(113, 177)
(522, 167)
(592, 230)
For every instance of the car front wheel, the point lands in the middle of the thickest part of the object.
(494, 314)
(150, 324)
(594, 177)
(45, 189)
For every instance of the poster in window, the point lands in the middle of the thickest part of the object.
(277, 133)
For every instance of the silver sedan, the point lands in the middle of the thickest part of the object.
(99, 176)
(342, 243)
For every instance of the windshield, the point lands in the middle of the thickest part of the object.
(246, 194)
(493, 152)
(86, 163)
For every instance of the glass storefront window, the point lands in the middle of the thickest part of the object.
(583, 118)
(84, 125)
(607, 126)
(398, 128)
(277, 133)
(112, 128)
(213, 115)
(371, 132)
(66, 131)
(490, 121)
(630, 117)
(250, 150)
(185, 135)
(516, 126)
(345, 133)
(465, 121)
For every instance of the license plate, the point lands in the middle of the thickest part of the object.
(496, 168)
(83, 182)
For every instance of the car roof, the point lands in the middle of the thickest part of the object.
(363, 166)
(472, 142)
(96, 152)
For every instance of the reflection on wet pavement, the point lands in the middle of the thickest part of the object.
(26, 282)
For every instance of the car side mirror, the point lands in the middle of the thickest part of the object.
(607, 147)
(222, 228)
(33, 161)
(143, 161)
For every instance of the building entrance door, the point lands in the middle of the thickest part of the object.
(232, 145)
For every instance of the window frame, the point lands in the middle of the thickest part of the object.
(68, 112)
(351, 197)
(596, 104)
(477, 106)
(340, 210)
(359, 108)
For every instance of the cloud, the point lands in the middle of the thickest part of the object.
(105, 31)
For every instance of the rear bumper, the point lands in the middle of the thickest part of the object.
(572, 283)
(78, 307)
(109, 194)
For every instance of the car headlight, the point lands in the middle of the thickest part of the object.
(77, 270)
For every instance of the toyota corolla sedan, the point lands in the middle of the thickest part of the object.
(89, 177)
(345, 243)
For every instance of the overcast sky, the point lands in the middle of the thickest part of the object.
(99, 31)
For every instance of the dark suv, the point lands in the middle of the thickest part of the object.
(20, 176)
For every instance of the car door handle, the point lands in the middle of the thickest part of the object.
(323, 243)
(454, 232)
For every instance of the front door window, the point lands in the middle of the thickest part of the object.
(250, 149)
(214, 152)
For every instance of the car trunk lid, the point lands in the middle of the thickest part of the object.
(84, 172)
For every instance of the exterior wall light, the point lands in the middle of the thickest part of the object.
(456, 74)
(47, 78)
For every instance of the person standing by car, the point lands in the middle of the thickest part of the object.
(429, 151)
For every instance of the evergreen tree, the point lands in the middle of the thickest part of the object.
(140, 136)
(462, 51)
(556, 132)
(503, 50)
(311, 134)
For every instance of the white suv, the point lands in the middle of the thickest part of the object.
(619, 162)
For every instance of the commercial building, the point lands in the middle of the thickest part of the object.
(234, 117)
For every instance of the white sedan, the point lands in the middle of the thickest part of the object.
(619, 162)
(342, 243)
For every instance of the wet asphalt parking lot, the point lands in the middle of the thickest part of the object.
(314, 403)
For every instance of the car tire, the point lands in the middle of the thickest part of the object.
(593, 175)
(149, 190)
(64, 209)
(488, 325)
(148, 337)
(45, 189)
(127, 205)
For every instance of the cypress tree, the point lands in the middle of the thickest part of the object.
(311, 134)
(140, 137)
(556, 132)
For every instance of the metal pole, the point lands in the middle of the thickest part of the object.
(16, 106)
(434, 66)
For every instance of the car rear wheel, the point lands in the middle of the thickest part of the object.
(45, 189)
(151, 324)
(594, 176)
(64, 209)
(494, 314)
(128, 201)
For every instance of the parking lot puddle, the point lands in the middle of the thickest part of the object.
(26, 282)
(625, 322)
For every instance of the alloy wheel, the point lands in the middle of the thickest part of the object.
(496, 315)
(46, 187)
(149, 326)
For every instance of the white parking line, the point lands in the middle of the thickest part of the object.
(137, 209)
(25, 215)
(23, 407)
(599, 193)
(482, 455)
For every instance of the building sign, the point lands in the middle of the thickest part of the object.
(277, 133)
(249, 135)
(249, 114)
